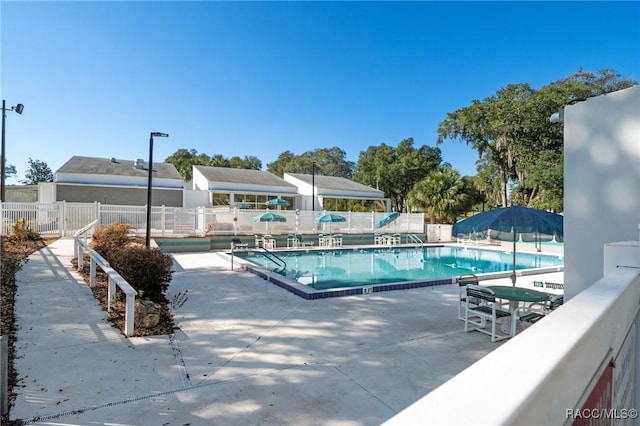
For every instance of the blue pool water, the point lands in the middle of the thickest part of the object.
(330, 269)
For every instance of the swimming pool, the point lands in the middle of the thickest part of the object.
(377, 268)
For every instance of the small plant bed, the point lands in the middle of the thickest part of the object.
(117, 315)
(147, 270)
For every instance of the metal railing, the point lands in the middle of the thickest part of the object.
(414, 239)
(114, 278)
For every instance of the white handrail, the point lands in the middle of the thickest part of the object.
(82, 231)
(86, 227)
(115, 279)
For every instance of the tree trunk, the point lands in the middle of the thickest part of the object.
(505, 195)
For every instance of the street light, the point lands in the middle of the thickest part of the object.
(313, 185)
(18, 108)
(159, 135)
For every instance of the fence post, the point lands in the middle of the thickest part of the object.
(4, 375)
(129, 314)
(92, 272)
(201, 220)
(80, 256)
(62, 205)
(111, 291)
(163, 218)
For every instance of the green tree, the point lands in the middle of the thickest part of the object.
(515, 141)
(281, 164)
(443, 194)
(328, 162)
(9, 170)
(218, 160)
(487, 183)
(184, 160)
(396, 170)
(248, 162)
(38, 171)
(493, 128)
(540, 167)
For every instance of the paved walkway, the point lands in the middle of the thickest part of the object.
(246, 352)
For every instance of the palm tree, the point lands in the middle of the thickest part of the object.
(441, 194)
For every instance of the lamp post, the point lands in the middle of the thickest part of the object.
(149, 183)
(313, 185)
(18, 108)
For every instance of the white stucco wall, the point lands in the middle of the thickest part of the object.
(195, 198)
(306, 191)
(602, 182)
(46, 192)
(199, 182)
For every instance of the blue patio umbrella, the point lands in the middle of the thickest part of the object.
(269, 217)
(330, 218)
(277, 202)
(508, 222)
(387, 219)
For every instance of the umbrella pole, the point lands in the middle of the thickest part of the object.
(513, 273)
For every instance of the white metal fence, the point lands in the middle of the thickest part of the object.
(64, 219)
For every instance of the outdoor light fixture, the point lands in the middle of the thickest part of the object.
(149, 183)
(18, 108)
(557, 117)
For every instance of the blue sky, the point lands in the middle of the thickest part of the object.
(260, 78)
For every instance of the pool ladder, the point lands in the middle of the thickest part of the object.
(413, 238)
(281, 264)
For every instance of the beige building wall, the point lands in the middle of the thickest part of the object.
(21, 193)
(118, 195)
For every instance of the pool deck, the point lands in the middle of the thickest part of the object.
(246, 352)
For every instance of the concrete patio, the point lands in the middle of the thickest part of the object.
(246, 352)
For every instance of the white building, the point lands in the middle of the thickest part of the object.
(113, 181)
(602, 181)
(228, 187)
(335, 193)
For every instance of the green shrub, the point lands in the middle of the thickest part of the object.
(108, 238)
(148, 270)
(9, 268)
(22, 231)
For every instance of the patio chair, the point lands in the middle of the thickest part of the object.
(476, 317)
(551, 305)
(237, 243)
(303, 242)
(554, 286)
(463, 281)
(268, 242)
